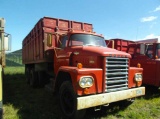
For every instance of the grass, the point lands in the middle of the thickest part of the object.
(23, 102)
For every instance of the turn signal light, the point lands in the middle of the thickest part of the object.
(86, 91)
(139, 83)
(79, 66)
(139, 65)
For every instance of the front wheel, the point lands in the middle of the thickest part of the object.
(68, 102)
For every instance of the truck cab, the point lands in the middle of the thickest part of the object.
(73, 45)
(147, 53)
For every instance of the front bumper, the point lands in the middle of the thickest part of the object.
(106, 98)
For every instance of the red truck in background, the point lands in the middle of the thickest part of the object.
(82, 70)
(145, 53)
(119, 44)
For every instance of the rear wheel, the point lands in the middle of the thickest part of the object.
(27, 75)
(41, 78)
(68, 102)
(33, 78)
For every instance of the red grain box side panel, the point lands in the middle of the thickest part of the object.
(49, 22)
(77, 25)
(123, 44)
(29, 45)
(48, 32)
(32, 50)
(27, 52)
(53, 23)
(119, 44)
(87, 27)
(37, 53)
(23, 51)
(63, 24)
(50, 25)
(81, 26)
(41, 46)
(26, 48)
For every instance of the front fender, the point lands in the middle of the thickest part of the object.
(76, 74)
(132, 72)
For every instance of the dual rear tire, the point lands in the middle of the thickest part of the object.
(34, 78)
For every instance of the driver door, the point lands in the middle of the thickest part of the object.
(62, 55)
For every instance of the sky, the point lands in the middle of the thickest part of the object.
(127, 19)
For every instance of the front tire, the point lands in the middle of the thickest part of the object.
(68, 102)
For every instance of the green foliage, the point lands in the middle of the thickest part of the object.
(14, 58)
(10, 112)
(23, 102)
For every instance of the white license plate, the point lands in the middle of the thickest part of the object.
(139, 92)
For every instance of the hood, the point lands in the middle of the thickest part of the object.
(99, 51)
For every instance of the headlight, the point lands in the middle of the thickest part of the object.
(86, 81)
(138, 77)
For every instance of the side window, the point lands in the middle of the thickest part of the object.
(64, 41)
(158, 50)
(158, 53)
(149, 52)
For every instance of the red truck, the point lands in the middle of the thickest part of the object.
(145, 53)
(82, 70)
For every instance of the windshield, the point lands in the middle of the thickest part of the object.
(86, 40)
(149, 51)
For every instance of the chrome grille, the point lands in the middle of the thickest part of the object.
(116, 74)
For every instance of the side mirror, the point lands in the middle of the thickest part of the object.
(7, 42)
(142, 49)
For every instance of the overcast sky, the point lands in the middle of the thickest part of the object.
(127, 19)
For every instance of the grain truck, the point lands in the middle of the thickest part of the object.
(145, 53)
(78, 65)
(4, 45)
